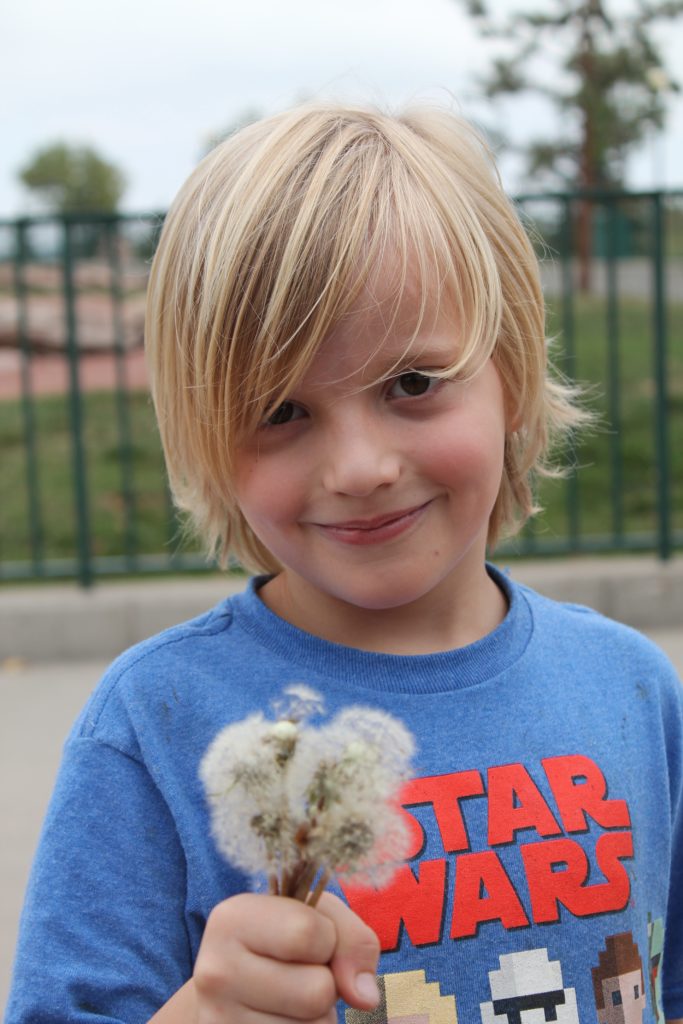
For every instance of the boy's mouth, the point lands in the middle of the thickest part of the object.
(375, 529)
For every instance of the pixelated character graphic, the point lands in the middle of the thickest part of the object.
(407, 998)
(528, 989)
(655, 948)
(618, 982)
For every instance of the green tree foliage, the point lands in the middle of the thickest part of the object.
(608, 86)
(73, 179)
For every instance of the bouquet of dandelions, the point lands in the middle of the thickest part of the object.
(300, 804)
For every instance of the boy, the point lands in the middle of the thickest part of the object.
(345, 332)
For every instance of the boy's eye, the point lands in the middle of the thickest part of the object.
(412, 384)
(286, 412)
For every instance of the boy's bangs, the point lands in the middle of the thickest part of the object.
(443, 272)
(384, 237)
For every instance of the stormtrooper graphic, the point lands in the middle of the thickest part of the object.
(528, 989)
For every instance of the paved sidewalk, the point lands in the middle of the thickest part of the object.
(38, 704)
(40, 696)
(60, 621)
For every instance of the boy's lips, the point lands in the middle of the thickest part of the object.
(375, 529)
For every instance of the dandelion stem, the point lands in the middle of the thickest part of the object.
(319, 889)
(306, 881)
(294, 878)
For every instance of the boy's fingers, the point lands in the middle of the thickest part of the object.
(276, 927)
(288, 931)
(354, 963)
(261, 985)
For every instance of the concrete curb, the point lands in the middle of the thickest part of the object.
(61, 622)
(641, 591)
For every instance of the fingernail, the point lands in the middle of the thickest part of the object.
(366, 987)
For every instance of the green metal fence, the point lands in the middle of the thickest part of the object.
(82, 484)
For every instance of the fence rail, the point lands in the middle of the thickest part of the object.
(82, 484)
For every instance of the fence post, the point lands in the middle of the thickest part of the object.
(664, 540)
(569, 366)
(113, 241)
(613, 373)
(85, 571)
(28, 408)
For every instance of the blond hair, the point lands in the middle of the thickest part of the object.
(269, 243)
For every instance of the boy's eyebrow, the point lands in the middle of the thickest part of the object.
(389, 362)
(435, 352)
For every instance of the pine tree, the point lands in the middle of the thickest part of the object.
(608, 87)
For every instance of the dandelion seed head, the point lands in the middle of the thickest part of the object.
(269, 827)
(286, 797)
(376, 865)
(284, 731)
(244, 788)
(298, 703)
(381, 731)
(343, 842)
(360, 847)
(357, 751)
(283, 736)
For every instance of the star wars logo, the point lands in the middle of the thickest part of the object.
(511, 881)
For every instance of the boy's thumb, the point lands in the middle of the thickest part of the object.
(354, 962)
(366, 991)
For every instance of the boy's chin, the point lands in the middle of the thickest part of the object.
(378, 597)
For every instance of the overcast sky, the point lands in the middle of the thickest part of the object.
(148, 81)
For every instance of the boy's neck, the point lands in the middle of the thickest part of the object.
(442, 620)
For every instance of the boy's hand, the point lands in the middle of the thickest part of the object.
(276, 958)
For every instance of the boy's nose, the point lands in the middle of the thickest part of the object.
(359, 461)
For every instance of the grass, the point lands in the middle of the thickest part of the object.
(617, 461)
(142, 524)
(621, 465)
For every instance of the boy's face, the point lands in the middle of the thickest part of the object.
(374, 487)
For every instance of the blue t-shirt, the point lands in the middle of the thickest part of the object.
(546, 876)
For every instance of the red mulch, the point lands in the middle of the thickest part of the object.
(49, 374)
